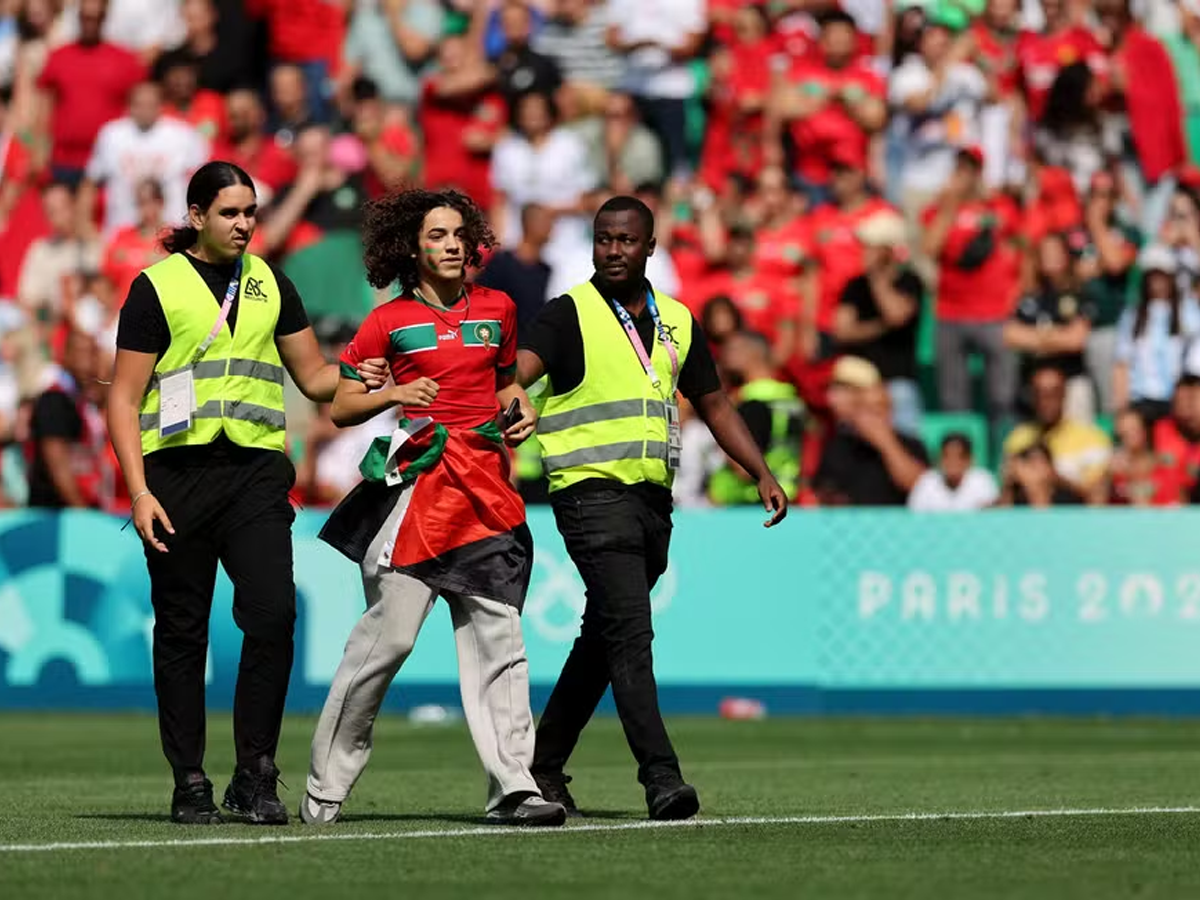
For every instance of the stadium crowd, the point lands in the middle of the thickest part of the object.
(946, 251)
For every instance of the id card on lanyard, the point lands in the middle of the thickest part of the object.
(177, 392)
(674, 430)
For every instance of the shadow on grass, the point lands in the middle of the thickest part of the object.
(367, 818)
(462, 819)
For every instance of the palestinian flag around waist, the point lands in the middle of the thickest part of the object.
(463, 527)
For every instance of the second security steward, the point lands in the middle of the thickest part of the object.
(196, 415)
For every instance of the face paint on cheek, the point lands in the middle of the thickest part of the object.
(432, 256)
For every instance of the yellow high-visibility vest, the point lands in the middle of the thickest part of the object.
(239, 380)
(614, 423)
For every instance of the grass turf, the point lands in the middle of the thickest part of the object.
(101, 778)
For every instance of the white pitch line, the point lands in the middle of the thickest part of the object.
(494, 831)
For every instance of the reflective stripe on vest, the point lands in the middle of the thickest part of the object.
(239, 382)
(613, 425)
(601, 412)
(244, 368)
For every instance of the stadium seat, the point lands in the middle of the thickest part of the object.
(935, 426)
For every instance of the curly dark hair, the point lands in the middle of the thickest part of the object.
(392, 227)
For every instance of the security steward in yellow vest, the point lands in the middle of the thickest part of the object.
(616, 354)
(196, 416)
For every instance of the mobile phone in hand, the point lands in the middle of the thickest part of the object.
(511, 416)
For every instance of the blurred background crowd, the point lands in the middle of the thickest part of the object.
(945, 251)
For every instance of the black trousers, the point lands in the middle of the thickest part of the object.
(230, 507)
(618, 541)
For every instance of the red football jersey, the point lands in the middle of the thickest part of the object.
(464, 349)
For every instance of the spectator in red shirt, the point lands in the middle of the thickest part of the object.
(461, 117)
(1137, 478)
(970, 236)
(781, 241)
(830, 103)
(733, 141)
(768, 304)
(835, 253)
(307, 34)
(183, 99)
(999, 40)
(132, 249)
(250, 147)
(1177, 437)
(1145, 102)
(85, 85)
(21, 218)
(387, 137)
(1064, 42)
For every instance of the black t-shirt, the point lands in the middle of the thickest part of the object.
(143, 329)
(556, 338)
(55, 415)
(894, 353)
(522, 71)
(757, 416)
(853, 470)
(338, 210)
(238, 59)
(1052, 307)
(143, 324)
(525, 282)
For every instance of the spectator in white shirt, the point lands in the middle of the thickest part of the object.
(540, 163)
(52, 259)
(938, 95)
(956, 485)
(145, 27)
(659, 40)
(144, 144)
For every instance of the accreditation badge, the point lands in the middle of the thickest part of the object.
(177, 402)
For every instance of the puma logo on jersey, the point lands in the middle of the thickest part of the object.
(448, 336)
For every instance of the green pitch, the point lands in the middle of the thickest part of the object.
(411, 828)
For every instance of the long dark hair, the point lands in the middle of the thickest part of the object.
(1067, 106)
(392, 229)
(208, 181)
(1143, 310)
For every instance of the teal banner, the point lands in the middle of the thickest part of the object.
(830, 601)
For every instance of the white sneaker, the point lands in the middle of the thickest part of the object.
(529, 810)
(319, 812)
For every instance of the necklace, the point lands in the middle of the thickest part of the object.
(439, 310)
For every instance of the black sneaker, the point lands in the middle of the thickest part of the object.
(253, 793)
(671, 800)
(554, 790)
(192, 802)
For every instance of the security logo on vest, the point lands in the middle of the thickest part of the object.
(668, 332)
(254, 289)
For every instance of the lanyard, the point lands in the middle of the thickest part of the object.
(640, 348)
(230, 293)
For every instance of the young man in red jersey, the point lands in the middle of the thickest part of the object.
(436, 513)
